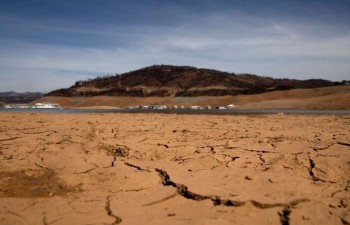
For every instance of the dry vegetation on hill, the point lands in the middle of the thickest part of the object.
(166, 81)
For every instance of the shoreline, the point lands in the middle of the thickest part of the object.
(211, 112)
(319, 98)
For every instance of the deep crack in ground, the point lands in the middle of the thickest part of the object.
(311, 171)
(109, 211)
(284, 216)
(183, 191)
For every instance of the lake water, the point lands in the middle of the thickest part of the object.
(187, 111)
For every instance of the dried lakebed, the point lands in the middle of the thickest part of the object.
(174, 169)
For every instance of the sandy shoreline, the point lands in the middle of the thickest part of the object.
(174, 169)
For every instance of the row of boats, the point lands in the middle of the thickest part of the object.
(158, 107)
(35, 106)
(195, 107)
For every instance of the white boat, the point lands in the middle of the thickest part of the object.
(159, 107)
(195, 107)
(17, 106)
(46, 106)
(231, 106)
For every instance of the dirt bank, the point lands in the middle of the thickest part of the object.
(320, 98)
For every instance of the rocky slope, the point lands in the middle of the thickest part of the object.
(165, 80)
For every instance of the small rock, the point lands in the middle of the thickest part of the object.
(248, 178)
(8, 157)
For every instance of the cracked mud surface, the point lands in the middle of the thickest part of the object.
(174, 169)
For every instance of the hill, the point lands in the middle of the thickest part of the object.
(15, 97)
(185, 81)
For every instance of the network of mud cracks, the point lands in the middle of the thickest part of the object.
(109, 158)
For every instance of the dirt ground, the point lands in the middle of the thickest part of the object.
(174, 169)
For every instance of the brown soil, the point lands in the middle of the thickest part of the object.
(31, 184)
(320, 98)
(174, 169)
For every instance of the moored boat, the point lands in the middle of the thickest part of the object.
(46, 106)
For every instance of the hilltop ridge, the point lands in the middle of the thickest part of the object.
(167, 80)
(15, 97)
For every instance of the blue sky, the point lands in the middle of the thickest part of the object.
(49, 44)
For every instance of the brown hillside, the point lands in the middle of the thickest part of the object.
(318, 98)
(182, 81)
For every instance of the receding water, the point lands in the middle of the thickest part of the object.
(188, 111)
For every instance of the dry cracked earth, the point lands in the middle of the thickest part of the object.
(174, 169)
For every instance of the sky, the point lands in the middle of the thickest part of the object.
(50, 44)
